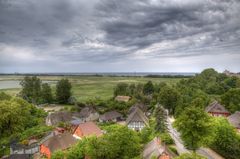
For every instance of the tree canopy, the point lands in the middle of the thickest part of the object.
(195, 127)
(119, 142)
(226, 141)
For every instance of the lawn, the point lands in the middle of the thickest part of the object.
(90, 87)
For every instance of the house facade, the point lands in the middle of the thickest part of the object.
(137, 120)
(217, 110)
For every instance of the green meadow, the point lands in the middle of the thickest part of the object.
(89, 87)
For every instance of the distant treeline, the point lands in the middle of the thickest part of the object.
(169, 76)
(99, 75)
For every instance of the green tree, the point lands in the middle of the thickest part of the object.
(132, 89)
(160, 117)
(31, 89)
(148, 88)
(195, 127)
(231, 99)
(190, 156)
(169, 98)
(47, 96)
(63, 91)
(146, 135)
(225, 139)
(121, 89)
(122, 143)
(118, 142)
(78, 150)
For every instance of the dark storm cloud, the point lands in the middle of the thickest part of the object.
(110, 31)
(141, 24)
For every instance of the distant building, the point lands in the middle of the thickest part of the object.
(111, 116)
(122, 98)
(57, 142)
(137, 120)
(228, 73)
(216, 109)
(58, 117)
(155, 149)
(234, 120)
(87, 129)
(88, 114)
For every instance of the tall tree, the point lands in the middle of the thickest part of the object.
(148, 88)
(195, 127)
(46, 93)
(160, 116)
(63, 91)
(169, 98)
(31, 89)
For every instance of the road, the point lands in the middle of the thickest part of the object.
(180, 147)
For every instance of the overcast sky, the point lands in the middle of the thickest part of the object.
(119, 35)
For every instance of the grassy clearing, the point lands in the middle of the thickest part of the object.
(90, 87)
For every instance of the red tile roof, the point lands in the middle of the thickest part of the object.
(89, 128)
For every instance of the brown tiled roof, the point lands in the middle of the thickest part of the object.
(60, 142)
(234, 119)
(216, 107)
(137, 115)
(86, 111)
(57, 117)
(90, 128)
(122, 98)
(110, 115)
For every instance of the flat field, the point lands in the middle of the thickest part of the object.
(88, 87)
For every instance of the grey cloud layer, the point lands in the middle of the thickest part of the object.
(109, 31)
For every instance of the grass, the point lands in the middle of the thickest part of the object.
(90, 87)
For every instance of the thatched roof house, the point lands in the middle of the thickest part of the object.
(88, 114)
(155, 149)
(57, 117)
(110, 116)
(137, 120)
(216, 109)
(234, 120)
